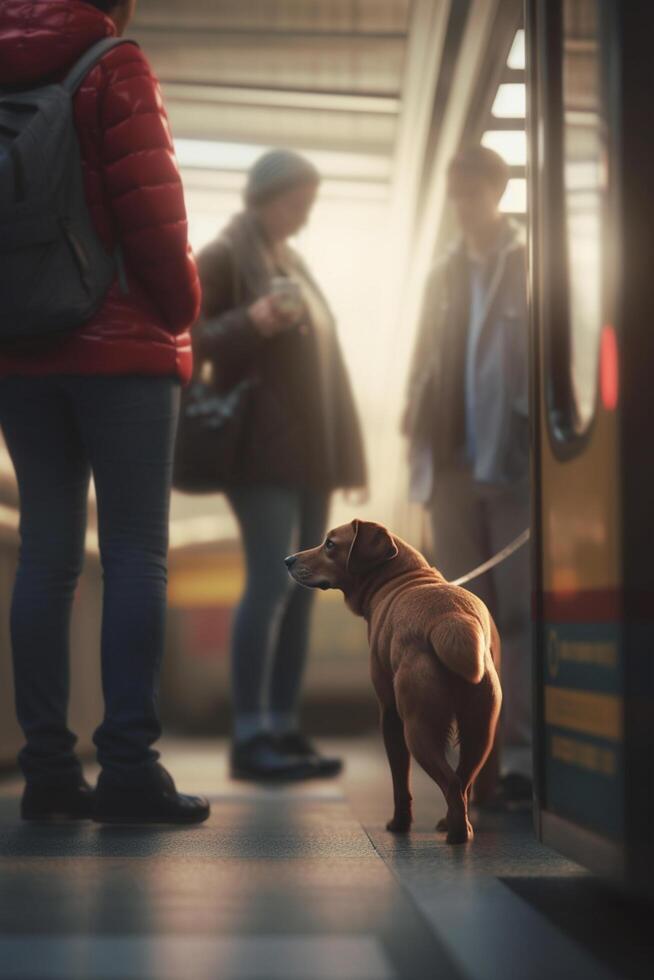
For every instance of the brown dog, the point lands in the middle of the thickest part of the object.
(433, 652)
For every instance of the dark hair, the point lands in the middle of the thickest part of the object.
(480, 161)
(104, 5)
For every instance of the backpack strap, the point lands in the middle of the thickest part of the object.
(89, 60)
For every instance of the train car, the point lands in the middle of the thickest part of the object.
(592, 226)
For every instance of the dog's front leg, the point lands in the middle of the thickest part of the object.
(400, 762)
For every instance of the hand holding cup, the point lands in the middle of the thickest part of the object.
(267, 318)
(280, 310)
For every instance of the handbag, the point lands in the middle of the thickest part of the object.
(209, 433)
(211, 426)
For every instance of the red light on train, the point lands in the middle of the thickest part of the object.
(609, 373)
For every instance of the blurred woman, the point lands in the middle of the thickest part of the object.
(104, 401)
(266, 319)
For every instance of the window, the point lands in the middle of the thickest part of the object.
(511, 144)
(584, 186)
(506, 129)
(510, 101)
(516, 59)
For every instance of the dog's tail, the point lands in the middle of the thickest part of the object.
(459, 643)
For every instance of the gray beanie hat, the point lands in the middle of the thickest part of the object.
(275, 172)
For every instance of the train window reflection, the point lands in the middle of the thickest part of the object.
(510, 101)
(514, 200)
(511, 144)
(516, 59)
(584, 185)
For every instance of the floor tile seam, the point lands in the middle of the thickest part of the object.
(245, 798)
(191, 859)
(409, 896)
(235, 860)
(24, 861)
(421, 904)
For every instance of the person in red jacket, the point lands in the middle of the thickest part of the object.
(103, 402)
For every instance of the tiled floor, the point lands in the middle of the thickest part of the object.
(299, 884)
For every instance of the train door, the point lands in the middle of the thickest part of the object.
(592, 349)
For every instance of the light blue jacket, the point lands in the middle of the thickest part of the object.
(435, 417)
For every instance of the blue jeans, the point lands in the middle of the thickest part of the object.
(58, 431)
(271, 626)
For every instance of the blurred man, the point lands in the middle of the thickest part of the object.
(466, 420)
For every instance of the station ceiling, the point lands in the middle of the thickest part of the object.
(320, 74)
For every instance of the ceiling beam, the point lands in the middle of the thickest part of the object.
(355, 16)
(284, 98)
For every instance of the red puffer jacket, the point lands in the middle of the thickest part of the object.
(132, 186)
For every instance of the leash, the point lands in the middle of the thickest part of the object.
(496, 559)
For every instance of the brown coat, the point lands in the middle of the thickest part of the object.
(302, 428)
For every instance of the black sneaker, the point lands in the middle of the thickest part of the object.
(516, 790)
(57, 802)
(296, 744)
(261, 759)
(514, 793)
(154, 800)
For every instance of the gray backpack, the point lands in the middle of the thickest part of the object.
(54, 271)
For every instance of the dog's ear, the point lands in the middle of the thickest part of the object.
(372, 545)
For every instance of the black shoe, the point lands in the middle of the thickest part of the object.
(517, 790)
(154, 800)
(57, 802)
(260, 758)
(299, 745)
(514, 793)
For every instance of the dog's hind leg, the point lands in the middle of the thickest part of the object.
(399, 761)
(441, 826)
(487, 779)
(427, 709)
(477, 723)
(486, 782)
(428, 749)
